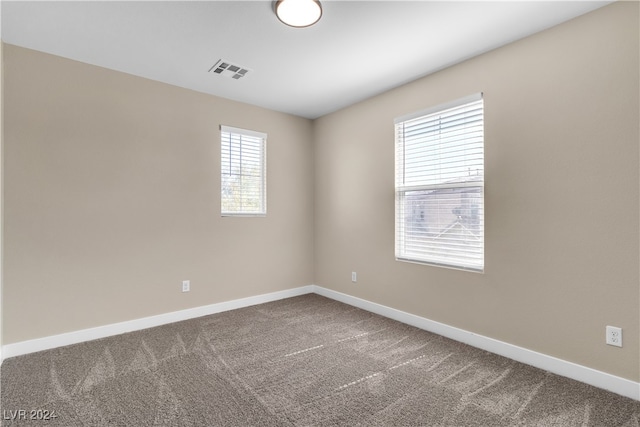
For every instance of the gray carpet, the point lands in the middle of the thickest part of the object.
(303, 361)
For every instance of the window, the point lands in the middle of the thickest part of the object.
(440, 185)
(243, 172)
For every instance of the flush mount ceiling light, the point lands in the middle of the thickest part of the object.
(298, 13)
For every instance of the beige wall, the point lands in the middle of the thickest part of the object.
(562, 195)
(112, 197)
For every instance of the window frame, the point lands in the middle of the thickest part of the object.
(475, 261)
(251, 136)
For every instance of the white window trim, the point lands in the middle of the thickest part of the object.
(401, 189)
(263, 137)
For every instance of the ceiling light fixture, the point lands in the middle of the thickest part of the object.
(299, 13)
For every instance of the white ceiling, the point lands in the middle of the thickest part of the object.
(358, 49)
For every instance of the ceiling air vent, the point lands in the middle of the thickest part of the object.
(228, 69)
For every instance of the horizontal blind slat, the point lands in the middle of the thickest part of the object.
(439, 187)
(243, 179)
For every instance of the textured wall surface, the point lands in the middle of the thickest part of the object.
(561, 195)
(113, 198)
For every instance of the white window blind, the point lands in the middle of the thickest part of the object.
(440, 185)
(243, 172)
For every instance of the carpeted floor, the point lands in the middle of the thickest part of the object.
(303, 361)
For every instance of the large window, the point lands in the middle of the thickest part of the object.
(243, 172)
(440, 185)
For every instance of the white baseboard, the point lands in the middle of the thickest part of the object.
(552, 364)
(39, 344)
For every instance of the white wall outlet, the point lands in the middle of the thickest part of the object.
(186, 286)
(354, 276)
(614, 336)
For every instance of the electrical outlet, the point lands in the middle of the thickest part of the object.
(186, 286)
(354, 276)
(614, 336)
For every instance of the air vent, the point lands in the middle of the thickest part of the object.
(228, 69)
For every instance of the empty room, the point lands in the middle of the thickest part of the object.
(320, 213)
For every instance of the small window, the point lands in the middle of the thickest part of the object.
(440, 185)
(243, 172)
